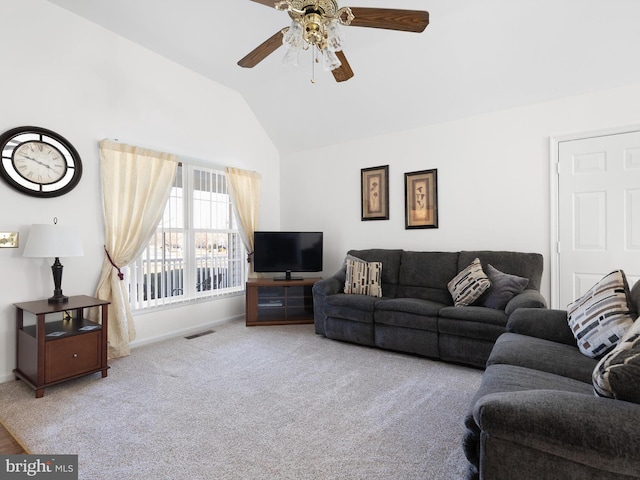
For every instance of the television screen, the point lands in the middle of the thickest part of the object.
(287, 252)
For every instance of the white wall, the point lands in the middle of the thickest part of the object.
(493, 179)
(63, 73)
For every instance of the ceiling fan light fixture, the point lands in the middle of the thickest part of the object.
(292, 57)
(335, 39)
(318, 23)
(330, 60)
(294, 42)
(313, 28)
(293, 36)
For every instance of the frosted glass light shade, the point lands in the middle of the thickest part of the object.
(292, 39)
(291, 58)
(330, 60)
(293, 36)
(335, 39)
(51, 241)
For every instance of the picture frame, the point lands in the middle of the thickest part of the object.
(9, 240)
(421, 199)
(374, 189)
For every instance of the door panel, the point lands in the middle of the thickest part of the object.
(598, 211)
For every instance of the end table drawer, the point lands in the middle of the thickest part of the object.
(66, 357)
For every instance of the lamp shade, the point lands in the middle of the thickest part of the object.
(53, 241)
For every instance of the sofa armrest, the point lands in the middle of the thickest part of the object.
(328, 286)
(545, 323)
(525, 299)
(588, 430)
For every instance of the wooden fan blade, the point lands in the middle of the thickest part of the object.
(268, 3)
(390, 18)
(263, 50)
(343, 72)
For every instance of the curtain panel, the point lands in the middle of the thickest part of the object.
(136, 184)
(244, 188)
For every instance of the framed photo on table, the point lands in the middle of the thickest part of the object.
(421, 199)
(374, 198)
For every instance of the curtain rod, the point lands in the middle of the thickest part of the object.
(190, 160)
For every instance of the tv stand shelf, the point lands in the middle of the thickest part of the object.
(279, 302)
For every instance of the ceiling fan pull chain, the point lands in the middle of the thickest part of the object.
(313, 65)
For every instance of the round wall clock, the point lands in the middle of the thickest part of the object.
(39, 162)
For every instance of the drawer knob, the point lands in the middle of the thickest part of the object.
(75, 355)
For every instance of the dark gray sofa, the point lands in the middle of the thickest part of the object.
(416, 313)
(535, 414)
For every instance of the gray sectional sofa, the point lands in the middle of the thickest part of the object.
(416, 313)
(535, 415)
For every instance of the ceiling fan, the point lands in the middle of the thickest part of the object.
(315, 23)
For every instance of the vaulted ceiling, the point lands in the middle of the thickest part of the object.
(474, 57)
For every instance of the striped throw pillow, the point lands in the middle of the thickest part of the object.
(617, 375)
(363, 278)
(601, 317)
(469, 284)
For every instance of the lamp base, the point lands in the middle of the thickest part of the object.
(58, 299)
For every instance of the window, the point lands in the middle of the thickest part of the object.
(196, 252)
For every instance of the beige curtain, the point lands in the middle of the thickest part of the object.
(136, 183)
(244, 189)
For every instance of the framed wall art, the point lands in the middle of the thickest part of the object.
(421, 199)
(374, 196)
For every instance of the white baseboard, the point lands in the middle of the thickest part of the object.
(10, 376)
(184, 332)
(7, 377)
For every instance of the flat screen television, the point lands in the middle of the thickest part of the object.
(286, 252)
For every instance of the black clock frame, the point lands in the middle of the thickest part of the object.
(9, 135)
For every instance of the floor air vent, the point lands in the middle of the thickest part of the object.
(200, 334)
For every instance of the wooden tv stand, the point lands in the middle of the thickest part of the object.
(279, 302)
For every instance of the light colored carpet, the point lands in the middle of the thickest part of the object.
(253, 403)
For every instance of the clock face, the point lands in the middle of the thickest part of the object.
(39, 162)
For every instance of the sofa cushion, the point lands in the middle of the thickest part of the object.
(476, 314)
(356, 308)
(348, 331)
(617, 375)
(548, 324)
(600, 318)
(363, 278)
(408, 312)
(467, 286)
(409, 340)
(513, 378)
(503, 288)
(357, 302)
(410, 305)
(527, 265)
(425, 275)
(470, 329)
(544, 355)
(499, 378)
(390, 260)
(405, 320)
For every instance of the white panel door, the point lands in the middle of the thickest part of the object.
(598, 211)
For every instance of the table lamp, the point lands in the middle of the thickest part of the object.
(54, 241)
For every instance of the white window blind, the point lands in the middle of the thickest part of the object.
(196, 252)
